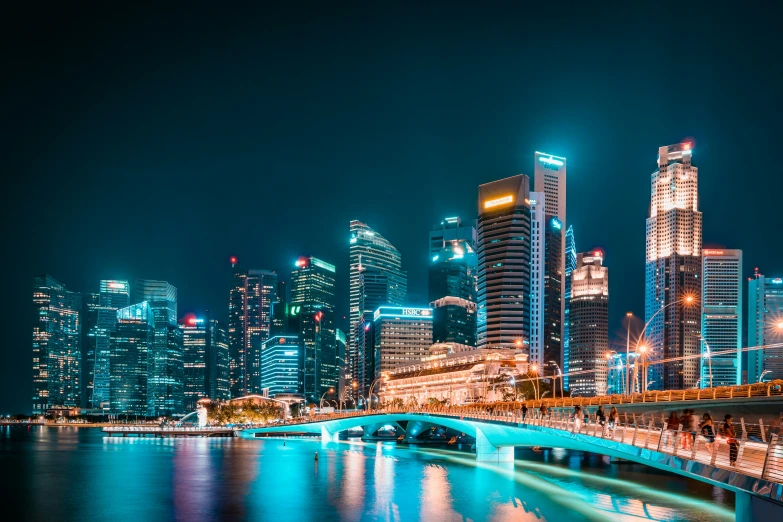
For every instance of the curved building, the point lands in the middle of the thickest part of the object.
(504, 263)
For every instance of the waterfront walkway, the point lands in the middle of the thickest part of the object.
(156, 431)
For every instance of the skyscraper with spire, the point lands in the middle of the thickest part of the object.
(673, 270)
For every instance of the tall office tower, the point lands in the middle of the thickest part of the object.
(342, 363)
(589, 341)
(90, 306)
(765, 326)
(165, 369)
(673, 270)
(57, 338)
(402, 335)
(452, 292)
(249, 323)
(504, 248)
(549, 177)
(113, 295)
(537, 269)
(370, 251)
(312, 289)
(279, 312)
(451, 229)
(721, 317)
(130, 343)
(570, 266)
(218, 381)
(195, 357)
(281, 365)
(373, 293)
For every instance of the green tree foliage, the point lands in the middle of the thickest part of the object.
(246, 412)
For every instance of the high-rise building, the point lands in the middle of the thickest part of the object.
(504, 237)
(673, 271)
(130, 342)
(374, 261)
(765, 326)
(402, 335)
(452, 292)
(721, 317)
(90, 306)
(113, 295)
(538, 222)
(218, 380)
(281, 365)
(312, 289)
(57, 338)
(589, 331)
(195, 357)
(549, 177)
(165, 369)
(449, 230)
(570, 266)
(279, 313)
(342, 362)
(249, 322)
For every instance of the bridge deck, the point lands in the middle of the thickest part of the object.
(155, 431)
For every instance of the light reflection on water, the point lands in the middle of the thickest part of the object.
(78, 474)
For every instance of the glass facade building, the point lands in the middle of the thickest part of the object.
(449, 230)
(504, 232)
(570, 266)
(195, 357)
(673, 271)
(57, 345)
(765, 326)
(313, 292)
(721, 317)
(113, 295)
(537, 269)
(218, 381)
(281, 365)
(402, 336)
(130, 342)
(90, 306)
(453, 292)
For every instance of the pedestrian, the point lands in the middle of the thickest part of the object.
(686, 419)
(613, 415)
(543, 411)
(671, 427)
(707, 429)
(693, 427)
(731, 438)
(600, 415)
(577, 418)
(524, 411)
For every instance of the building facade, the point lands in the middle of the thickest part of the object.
(113, 295)
(570, 266)
(721, 317)
(538, 222)
(281, 365)
(504, 237)
(449, 230)
(57, 345)
(765, 326)
(453, 293)
(249, 323)
(375, 275)
(90, 305)
(673, 271)
(130, 342)
(589, 330)
(195, 355)
(402, 335)
(313, 291)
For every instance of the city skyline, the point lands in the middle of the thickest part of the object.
(606, 121)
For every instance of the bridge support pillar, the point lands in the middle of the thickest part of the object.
(487, 452)
(749, 508)
(326, 436)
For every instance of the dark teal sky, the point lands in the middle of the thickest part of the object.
(150, 142)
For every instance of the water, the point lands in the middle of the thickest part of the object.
(78, 474)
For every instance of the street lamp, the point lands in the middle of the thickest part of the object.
(628, 355)
(321, 402)
(765, 372)
(708, 356)
(554, 386)
(534, 369)
(369, 395)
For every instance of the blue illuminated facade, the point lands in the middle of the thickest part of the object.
(130, 342)
(570, 266)
(113, 295)
(281, 365)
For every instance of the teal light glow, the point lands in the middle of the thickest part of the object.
(551, 161)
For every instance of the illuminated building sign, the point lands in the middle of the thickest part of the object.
(777, 281)
(322, 264)
(294, 310)
(550, 161)
(452, 219)
(290, 353)
(118, 286)
(556, 224)
(505, 200)
(390, 311)
(301, 262)
(713, 252)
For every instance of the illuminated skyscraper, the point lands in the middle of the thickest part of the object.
(673, 270)
(57, 338)
(765, 326)
(129, 346)
(537, 269)
(205, 344)
(281, 365)
(589, 330)
(449, 230)
(90, 306)
(721, 317)
(249, 323)
(342, 362)
(402, 336)
(113, 295)
(165, 373)
(218, 381)
(570, 266)
(370, 252)
(312, 289)
(453, 281)
(504, 237)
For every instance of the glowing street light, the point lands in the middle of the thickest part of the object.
(321, 402)
(534, 369)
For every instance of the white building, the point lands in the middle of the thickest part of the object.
(537, 228)
(403, 335)
(765, 326)
(721, 317)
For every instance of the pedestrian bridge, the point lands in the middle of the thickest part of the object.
(756, 479)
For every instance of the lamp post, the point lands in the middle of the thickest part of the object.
(708, 356)
(687, 299)
(765, 372)
(554, 386)
(321, 402)
(369, 395)
(611, 354)
(628, 355)
(534, 369)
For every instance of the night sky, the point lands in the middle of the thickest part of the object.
(151, 143)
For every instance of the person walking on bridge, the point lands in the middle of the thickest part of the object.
(688, 421)
(613, 416)
(671, 428)
(707, 428)
(731, 438)
(524, 412)
(577, 418)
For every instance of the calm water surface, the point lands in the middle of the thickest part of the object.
(78, 474)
